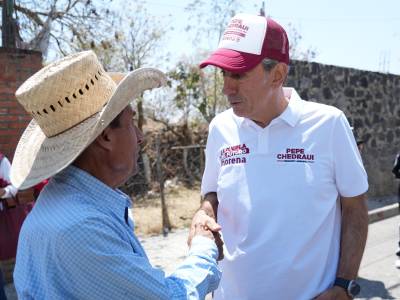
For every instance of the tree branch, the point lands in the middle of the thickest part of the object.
(33, 15)
(168, 127)
(58, 44)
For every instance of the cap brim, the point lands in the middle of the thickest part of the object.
(38, 157)
(232, 61)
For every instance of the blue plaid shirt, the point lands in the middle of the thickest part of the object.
(77, 243)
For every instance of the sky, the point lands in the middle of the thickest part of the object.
(361, 34)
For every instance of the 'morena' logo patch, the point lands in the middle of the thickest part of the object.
(234, 155)
(295, 155)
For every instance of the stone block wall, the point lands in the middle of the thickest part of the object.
(371, 102)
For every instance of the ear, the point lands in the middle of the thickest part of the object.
(105, 139)
(280, 73)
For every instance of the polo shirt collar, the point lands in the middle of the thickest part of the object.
(290, 115)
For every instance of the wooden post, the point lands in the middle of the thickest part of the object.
(166, 224)
(202, 154)
(186, 167)
(147, 169)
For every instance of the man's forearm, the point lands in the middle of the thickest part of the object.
(353, 236)
(210, 205)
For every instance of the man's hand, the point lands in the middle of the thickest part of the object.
(200, 229)
(334, 293)
(204, 225)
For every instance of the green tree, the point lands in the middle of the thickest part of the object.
(193, 88)
(211, 17)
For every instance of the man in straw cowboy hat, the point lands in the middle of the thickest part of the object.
(78, 242)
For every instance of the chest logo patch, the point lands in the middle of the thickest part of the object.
(234, 155)
(295, 155)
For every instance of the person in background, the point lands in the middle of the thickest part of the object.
(396, 173)
(2, 292)
(39, 187)
(360, 142)
(360, 145)
(7, 190)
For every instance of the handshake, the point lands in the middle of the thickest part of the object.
(204, 224)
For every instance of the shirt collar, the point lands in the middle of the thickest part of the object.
(290, 115)
(102, 196)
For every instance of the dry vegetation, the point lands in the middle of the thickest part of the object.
(182, 204)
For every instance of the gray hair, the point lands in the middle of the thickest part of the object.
(269, 64)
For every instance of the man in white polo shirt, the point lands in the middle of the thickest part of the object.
(283, 178)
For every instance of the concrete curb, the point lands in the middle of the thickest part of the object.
(383, 213)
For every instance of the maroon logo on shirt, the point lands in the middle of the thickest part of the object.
(234, 155)
(295, 155)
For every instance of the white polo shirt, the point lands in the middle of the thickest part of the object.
(278, 191)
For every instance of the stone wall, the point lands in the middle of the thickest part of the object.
(371, 102)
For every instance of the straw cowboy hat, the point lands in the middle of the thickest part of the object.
(71, 102)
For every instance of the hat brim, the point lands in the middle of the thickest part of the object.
(38, 157)
(232, 61)
(117, 76)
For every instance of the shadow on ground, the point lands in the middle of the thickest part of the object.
(373, 289)
(378, 202)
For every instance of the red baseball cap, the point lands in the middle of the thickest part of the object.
(247, 40)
